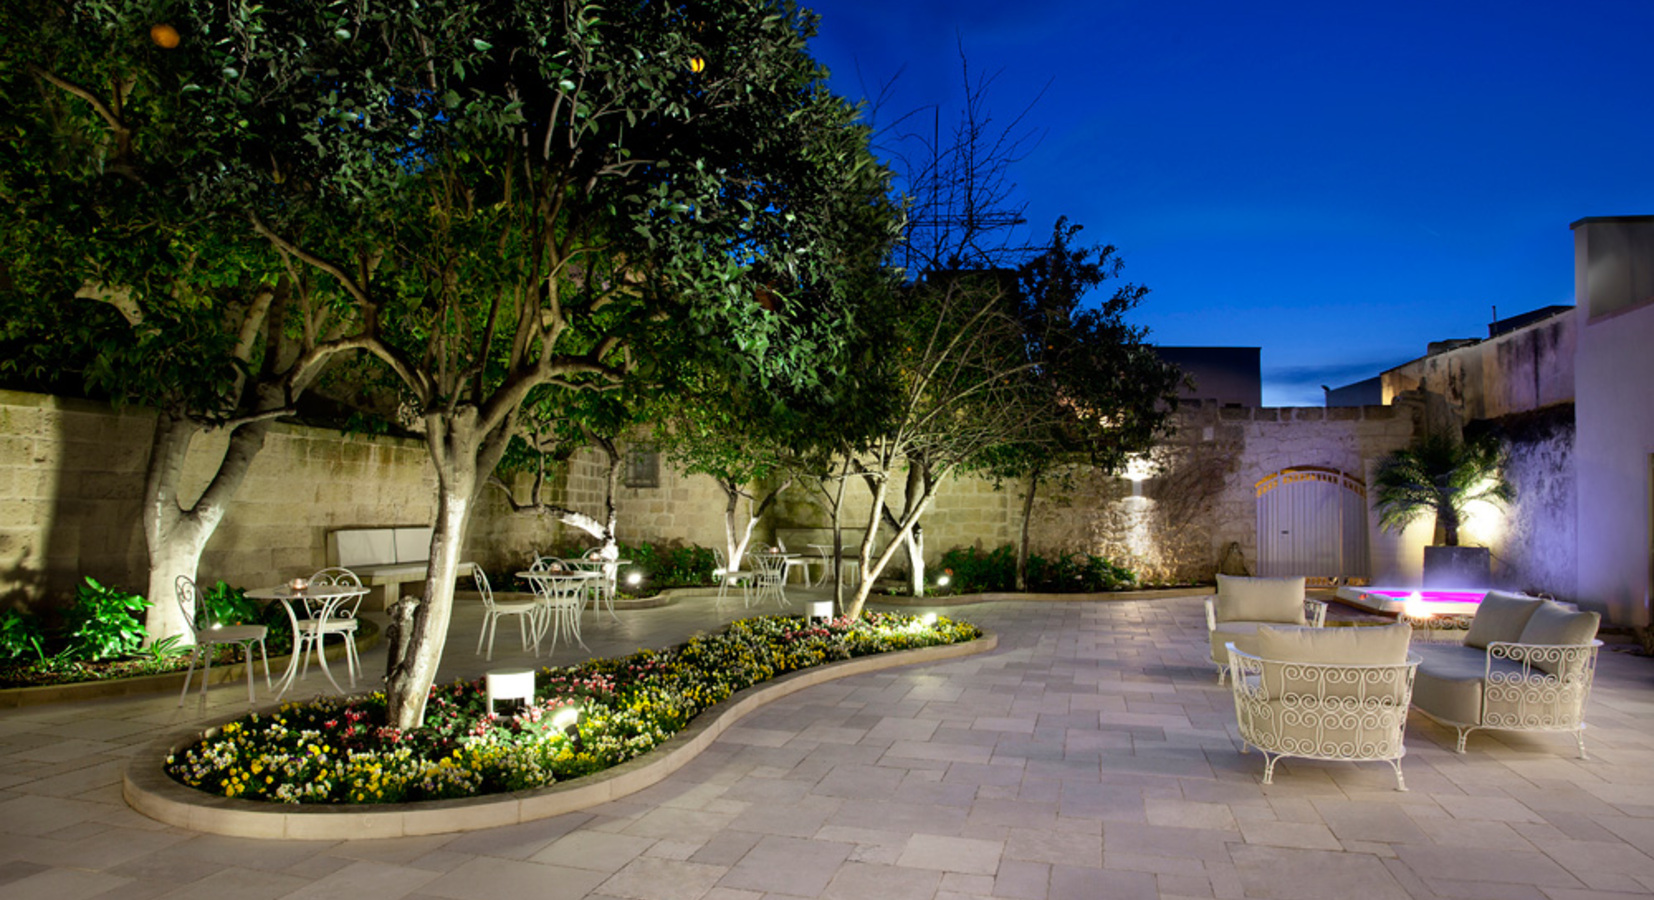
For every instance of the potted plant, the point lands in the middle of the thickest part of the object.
(1441, 476)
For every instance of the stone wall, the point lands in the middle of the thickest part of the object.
(1525, 369)
(1533, 539)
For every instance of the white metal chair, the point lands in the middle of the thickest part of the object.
(493, 610)
(211, 634)
(1243, 605)
(1325, 693)
(771, 569)
(604, 588)
(340, 620)
(728, 575)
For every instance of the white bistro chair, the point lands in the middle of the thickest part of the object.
(728, 575)
(210, 634)
(560, 597)
(493, 610)
(771, 569)
(341, 619)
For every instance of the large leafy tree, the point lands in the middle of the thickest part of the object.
(129, 273)
(1111, 394)
(522, 195)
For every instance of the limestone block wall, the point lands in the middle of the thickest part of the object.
(74, 470)
(1533, 538)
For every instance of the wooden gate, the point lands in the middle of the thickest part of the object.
(1312, 521)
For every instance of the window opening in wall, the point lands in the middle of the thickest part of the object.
(642, 467)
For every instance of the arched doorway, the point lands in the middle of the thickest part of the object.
(1312, 521)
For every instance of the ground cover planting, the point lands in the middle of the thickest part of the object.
(584, 718)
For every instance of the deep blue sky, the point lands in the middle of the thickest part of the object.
(1337, 183)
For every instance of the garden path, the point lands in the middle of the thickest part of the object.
(1092, 755)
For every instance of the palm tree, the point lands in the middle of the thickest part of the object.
(1442, 476)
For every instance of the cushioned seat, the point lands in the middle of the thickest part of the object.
(1526, 665)
(1242, 604)
(1333, 693)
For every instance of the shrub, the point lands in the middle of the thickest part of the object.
(974, 571)
(20, 636)
(104, 622)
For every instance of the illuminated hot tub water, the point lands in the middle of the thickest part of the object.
(1413, 601)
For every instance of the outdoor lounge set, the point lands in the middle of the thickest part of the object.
(1312, 692)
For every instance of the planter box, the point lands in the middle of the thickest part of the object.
(1458, 568)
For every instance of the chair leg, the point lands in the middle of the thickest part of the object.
(264, 652)
(195, 654)
(1401, 783)
(1579, 740)
(486, 615)
(247, 659)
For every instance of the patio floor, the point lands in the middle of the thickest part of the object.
(1092, 756)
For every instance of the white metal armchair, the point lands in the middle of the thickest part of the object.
(1242, 605)
(1331, 694)
(728, 574)
(771, 569)
(337, 618)
(211, 634)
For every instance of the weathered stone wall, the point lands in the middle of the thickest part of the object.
(1525, 369)
(74, 471)
(1533, 538)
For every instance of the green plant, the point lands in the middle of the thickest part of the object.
(973, 571)
(20, 635)
(162, 650)
(1440, 476)
(230, 605)
(105, 622)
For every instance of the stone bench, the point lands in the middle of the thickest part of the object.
(386, 557)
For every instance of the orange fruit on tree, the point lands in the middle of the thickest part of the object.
(165, 36)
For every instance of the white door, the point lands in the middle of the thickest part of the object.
(1312, 521)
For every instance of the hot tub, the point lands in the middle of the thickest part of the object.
(1415, 602)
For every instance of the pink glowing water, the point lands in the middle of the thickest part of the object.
(1414, 601)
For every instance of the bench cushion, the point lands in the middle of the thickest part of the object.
(1449, 681)
(1553, 623)
(1279, 600)
(1317, 662)
(1500, 617)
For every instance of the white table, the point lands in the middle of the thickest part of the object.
(549, 583)
(331, 596)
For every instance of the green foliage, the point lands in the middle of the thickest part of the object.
(231, 605)
(1440, 476)
(104, 622)
(663, 565)
(20, 635)
(973, 570)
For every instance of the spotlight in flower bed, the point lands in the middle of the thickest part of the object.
(634, 578)
(340, 750)
(943, 579)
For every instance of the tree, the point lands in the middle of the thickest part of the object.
(564, 195)
(124, 271)
(1440, 476)
(1111, 393)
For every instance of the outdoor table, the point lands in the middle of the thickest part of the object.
(543, 581)
(608, 569)
(772, 572)
(331, 596)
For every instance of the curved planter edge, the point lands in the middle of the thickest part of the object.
(147, 788)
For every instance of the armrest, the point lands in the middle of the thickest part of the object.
(1542, 664)
(1315, 612)
(1212, 616)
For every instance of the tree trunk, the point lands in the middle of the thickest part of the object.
(1022, 543)
(870, 568)
(419, 625)
(916, 559)
(174, 536)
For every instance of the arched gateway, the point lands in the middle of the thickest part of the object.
(1312, 521)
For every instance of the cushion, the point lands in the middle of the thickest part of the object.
(1553, 623)
(1448, 685)
(1317, 662)
(1243, 599)
(1500, 617)
(1383, 645)
(1244, 635)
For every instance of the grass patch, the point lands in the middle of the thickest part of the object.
(584, 718)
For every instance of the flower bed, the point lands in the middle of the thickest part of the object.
(339, 750)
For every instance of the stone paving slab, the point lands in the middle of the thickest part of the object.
(1092, 755)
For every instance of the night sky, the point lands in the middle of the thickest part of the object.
(1337, 183)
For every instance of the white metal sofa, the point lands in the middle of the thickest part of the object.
(386, 556)
(1526, 664)
(1244, 604)
(1325, 693)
